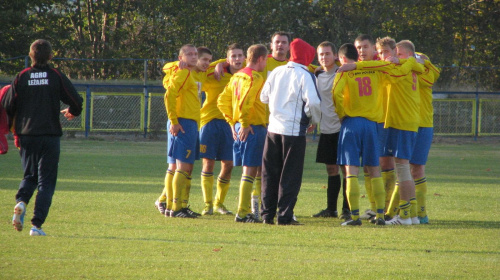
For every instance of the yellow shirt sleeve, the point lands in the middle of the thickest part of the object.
(338, 93)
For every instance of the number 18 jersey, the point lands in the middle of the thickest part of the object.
(357, 94)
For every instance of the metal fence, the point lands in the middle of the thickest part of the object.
(140, 109)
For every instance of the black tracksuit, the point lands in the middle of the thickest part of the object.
(33, 104)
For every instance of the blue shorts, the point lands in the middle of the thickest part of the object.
(249, 153)
(216, 140)
(399, 143)
(422, 145)
(184, 147)
(358, 138)
(382, 138)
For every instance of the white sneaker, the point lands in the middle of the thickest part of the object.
(368, 215)
(37, 231)
(398, 221)
(415, 221)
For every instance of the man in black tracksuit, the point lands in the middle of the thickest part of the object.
(33, 105)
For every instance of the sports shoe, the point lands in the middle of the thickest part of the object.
(249, 218)
(415, 221)
(268, 222)
(326, 213)
(398, 221)
(346, 215)
(424, 220)
(161, 206)
(368, 215)
(379, 222)
(183, 213)
(191, 212)
(352, 223)
(221, 209)
(37, 231)
(208, 210)
(18, 218)
(168, 213)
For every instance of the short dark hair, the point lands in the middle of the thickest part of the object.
(202, 50)
(234, 46)
(328, 44)
(282, 33)
(363, 37)
(40, 52)
(349, 51)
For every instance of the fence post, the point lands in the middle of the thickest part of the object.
(146, 109)
(26, 61)
(477, 105)
(87, 111)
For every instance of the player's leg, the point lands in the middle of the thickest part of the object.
(417, 164)
(246, 185)
(271, 174)
(223, 182)
(256, 194)
(207, 184)
(353, 195)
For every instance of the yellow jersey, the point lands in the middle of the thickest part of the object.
(426, 81)
(182, 96)
(240, 100)
(213, 89)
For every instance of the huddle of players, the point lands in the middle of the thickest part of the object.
(232, 111)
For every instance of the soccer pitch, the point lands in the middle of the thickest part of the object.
(103, 224)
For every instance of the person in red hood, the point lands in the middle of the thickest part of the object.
(294, 104)
(4, 124)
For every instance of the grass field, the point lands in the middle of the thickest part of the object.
(103, 224)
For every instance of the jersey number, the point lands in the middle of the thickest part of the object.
(188, 153)
(365, 86)
(203, 148)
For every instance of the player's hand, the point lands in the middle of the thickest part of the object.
(311, 128)
(175, 128)
(183, 65)
(392, 59)
(347, 67)
(319, 68)
(243, 133)
(67, 114)
(235, 135)
(420, 60)
(219, 70)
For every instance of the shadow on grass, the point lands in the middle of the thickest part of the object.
(466, 224)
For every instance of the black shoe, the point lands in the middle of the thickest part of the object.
(379, 222)
(191, 212)
(352, 223)
(346, 215)
(291, 223)
(326, 213)
(183, 213)
(247, 219)
(268, 222)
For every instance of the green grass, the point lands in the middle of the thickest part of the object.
(103, 225)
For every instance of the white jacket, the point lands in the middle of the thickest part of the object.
(294, 102)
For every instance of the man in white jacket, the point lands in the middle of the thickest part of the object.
(294, 104)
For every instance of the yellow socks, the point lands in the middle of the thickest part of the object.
(393, 207)
(353, 195)
(222, 189)
(207, 185)
(256, 195)
(421, 192)
(369, 193)
(413, 207)
(404, 209)
(186, 193)
(378, 195)
(179, 183)
(166, 195)
(246, 185)
(389, 178)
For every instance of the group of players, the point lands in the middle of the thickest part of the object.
(377, 106)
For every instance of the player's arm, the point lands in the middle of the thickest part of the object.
(175, 84)
(168, 69)
(338, 93)
(224, 103)
(70, 97)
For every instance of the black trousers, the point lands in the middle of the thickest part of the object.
(282, 168)
(40, 160)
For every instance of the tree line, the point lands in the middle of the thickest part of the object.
(461, 33)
